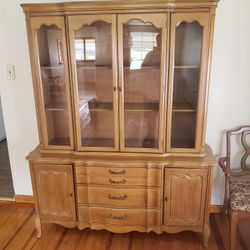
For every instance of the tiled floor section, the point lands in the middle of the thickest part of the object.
(6, 186)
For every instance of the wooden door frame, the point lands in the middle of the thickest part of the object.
(75, 23)
(159, 20)
(35, 24)
(203, 18)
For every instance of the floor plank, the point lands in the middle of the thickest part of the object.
(93, 239)
(71, 239)
(51, 236)
(23, 236)
(17, 231)
(120, 241)
(14, 223)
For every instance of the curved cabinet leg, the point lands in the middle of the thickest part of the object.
(206, 235)
(38, 227)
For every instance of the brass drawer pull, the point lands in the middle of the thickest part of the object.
(117, 172)
(122, 197)
(117, 182)
(122, 217)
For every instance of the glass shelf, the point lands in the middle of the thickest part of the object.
(82, 65)
(139, 143)
(94, 105)
(187, 66)
(56, 106)
(183, 107)
(61, 66)
(98, 142)
(153, 106)
(59, 141)
(100, 106)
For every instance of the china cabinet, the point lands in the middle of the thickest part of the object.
(121, 91)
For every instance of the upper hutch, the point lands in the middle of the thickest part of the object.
(121, 91)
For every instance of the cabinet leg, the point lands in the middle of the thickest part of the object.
(233, 229)
(38, 227)
(206, 235)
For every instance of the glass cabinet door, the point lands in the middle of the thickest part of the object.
(187, 80)
(93, 53)
(52, 82)
(142, 49)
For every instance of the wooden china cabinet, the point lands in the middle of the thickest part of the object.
(121, 91)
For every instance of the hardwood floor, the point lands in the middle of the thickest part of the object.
(6, 185)
(17, 232)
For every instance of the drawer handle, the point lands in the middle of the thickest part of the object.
(117, 172)
(122, 217)
(122, 197)
(117, 182)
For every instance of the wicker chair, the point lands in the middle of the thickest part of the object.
(237, 183)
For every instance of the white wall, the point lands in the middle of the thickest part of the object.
(229, 94)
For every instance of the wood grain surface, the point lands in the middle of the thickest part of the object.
(17, 232)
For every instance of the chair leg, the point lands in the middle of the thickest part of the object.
(233, 229)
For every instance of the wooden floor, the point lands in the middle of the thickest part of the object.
(17, 232)
(6, 185)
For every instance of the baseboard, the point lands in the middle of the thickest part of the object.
(24, 198)
(216, 209)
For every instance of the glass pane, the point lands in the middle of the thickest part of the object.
(142, 81)
(188, 44)
(93, 52)
(53, 84)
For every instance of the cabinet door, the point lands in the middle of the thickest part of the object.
(187, 79)
(52, 82)
(142, 49)
(93, 53)
(55, 192)
(184, 196)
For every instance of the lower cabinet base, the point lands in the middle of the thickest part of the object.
(171, 195)
(81, 225)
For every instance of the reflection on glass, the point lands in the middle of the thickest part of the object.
(93, 53)
(141, 61)
(85, 49)
(188, 43)
(53, 84)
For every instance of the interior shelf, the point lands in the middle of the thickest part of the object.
(56, 106)
(98, 142)
(187, 66)
(190, 143)
(60, 141)
(93, 67)
(93, 105)
(183, 107)
(151, 106)
(53, 67)
(138, 143)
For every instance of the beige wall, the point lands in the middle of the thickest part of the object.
(229, 103)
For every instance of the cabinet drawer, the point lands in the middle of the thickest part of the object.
(123, 217)
(118, 176)
(140, 198)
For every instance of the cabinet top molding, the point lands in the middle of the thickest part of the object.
(114, 5)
